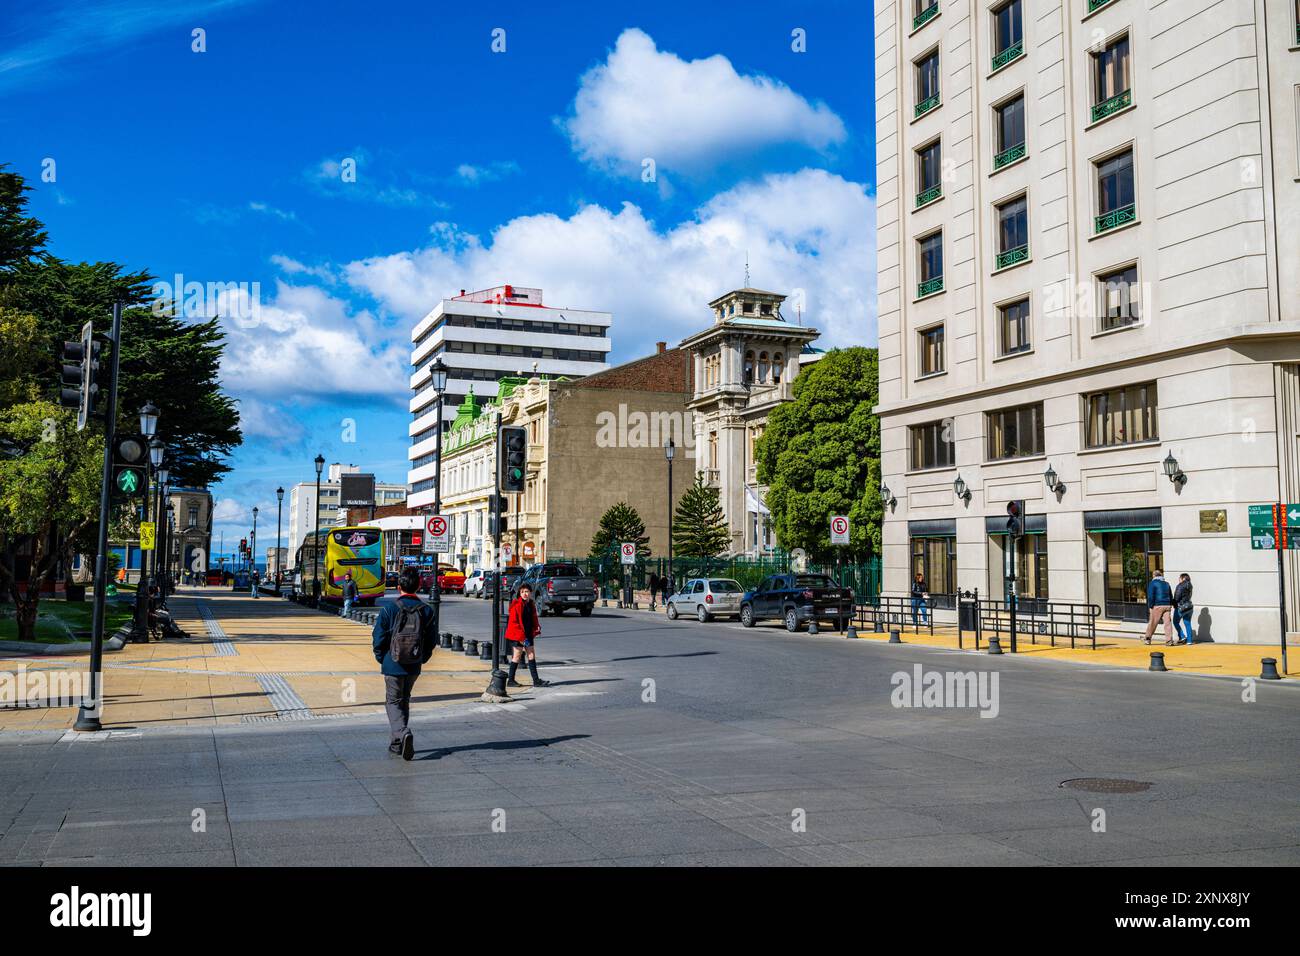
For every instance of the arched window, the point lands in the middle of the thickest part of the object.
(778, 364)
(762, 367)
(749, 368)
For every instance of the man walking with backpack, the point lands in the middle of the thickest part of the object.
(403, 641)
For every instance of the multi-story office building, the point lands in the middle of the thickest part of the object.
(302, 505)
(1089, 230)
(483, 337)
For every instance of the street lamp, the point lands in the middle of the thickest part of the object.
(1054, 484)
(1173, 472)
(438, 379)
(960, 490)
(148, 420)
(252, 578)
(279, 509)
(886, 497)
(670, 452)
(164, 498)
(315, 547)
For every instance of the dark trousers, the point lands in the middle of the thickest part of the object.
(397, 702)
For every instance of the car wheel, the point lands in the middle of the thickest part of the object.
(585, 610)
(792, 621)
(702, 615)
(672, 612)
(557, 611)
(747, 616)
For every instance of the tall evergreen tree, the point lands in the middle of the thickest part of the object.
(620, 523)
(699, 526)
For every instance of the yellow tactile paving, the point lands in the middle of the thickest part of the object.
(1235, 660)
(325, 660)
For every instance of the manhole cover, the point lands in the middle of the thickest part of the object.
(1106, 785)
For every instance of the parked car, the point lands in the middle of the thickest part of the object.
(512, 575)
(797, 599)
(390, 579)
(450, 579)
(474, 582)
(558, 586)
(706, 598)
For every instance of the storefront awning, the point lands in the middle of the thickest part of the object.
(1129, 519)
(933, 528)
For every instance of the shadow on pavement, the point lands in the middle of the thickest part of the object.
(440, 752)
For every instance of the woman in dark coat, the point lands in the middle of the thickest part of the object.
(1183, 608)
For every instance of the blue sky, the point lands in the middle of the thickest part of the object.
(473, 168)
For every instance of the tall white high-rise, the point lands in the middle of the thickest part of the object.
(483, 337)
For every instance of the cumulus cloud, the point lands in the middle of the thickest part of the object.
(810, 230)
(261, 419)
(686, 115)
(472, 175)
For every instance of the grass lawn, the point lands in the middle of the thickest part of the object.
(56, 619)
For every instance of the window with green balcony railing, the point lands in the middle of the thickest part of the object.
(1008, 156)
(929, 287)
(1113, 105)
(927, 104)
(1116, 218)
(1013, 257)
(925, 16)
(1094, 5)
(927, 196)
(1013, 52)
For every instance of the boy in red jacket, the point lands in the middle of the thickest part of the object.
(522, 627)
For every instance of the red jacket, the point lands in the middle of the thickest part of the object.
(521, 623)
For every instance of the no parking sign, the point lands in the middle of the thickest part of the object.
(439, 537)
(839, 529)
(627, 552)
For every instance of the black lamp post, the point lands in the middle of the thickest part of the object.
(316, 537)
(670, 451)
(253, 547)
(140, 622)
(279, 509)
(164, 500)
(438, 379)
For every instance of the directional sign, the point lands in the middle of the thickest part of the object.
(129, 481)
(839, 529)
(439, 537)
(1274, 527)
(146, 535)
(627, 552)
(1262, 516)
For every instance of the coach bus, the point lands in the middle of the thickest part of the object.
(356, 549)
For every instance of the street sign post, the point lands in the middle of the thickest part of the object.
(438, 539)
(146, 535)
(627, 552)
(839, 529)
(1276, 527)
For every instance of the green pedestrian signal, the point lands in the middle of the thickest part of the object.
(128, 481)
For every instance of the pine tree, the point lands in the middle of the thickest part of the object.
(699, 527)
(620, 523)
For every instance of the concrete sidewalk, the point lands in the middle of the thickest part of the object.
(246, 661)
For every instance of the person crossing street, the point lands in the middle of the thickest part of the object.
(523, 628)
(403, 641)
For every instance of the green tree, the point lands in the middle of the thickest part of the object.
(21, 236)
(699, 526)
(820, 455)
(49, 491)
(620, 523)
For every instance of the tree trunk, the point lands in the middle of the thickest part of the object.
(25, 616)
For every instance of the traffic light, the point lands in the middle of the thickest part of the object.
(512, 458)
(501, 508)
(129, 462)
(1016, 517)
(80, 365)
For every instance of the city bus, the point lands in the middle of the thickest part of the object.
(356, 549)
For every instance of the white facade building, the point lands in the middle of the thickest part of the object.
(483, 337)
(301, 504)
(1089, 262)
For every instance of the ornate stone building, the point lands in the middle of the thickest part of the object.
(744, 366)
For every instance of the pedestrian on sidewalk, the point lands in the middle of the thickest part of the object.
(920, 599)
(523, 628)
(1183, 608)
(350, 592)
(654, 588)
(403, 642)
(1160, 600)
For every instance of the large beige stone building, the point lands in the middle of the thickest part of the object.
(744, 365)
(1089, 240)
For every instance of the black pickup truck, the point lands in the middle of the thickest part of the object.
(558, 586)
(797, 599)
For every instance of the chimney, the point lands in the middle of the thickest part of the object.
(462, 293)
(660, 347)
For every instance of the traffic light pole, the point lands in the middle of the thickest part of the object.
(496, 689)
(92, 704)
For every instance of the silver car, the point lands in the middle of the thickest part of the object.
(706, 598)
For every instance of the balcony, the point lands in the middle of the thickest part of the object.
(926, 105)
(924, 17)
(1111, 106)
(1008, 156)
(929, 287)
(1013, 257)
(1116, 218)
(712, 477)
(1013, 52)
(927, 196)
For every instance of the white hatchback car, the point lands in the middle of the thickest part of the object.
(474, 582)
(706, 598)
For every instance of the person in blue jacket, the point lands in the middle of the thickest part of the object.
(399, 679)
(1160, 604)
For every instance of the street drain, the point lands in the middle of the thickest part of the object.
(1106, 785)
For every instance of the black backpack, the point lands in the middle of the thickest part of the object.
(407, 647)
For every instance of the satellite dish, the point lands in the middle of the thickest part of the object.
(799, 560)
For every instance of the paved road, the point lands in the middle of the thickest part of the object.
(696, 744)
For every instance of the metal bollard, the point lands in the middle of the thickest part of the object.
(879, 627)
(457, 642)
(471, 648)
(852, 631)
(812, 627)
(445, 639)
(485, 651)
(1158, 661)
(894, 637)
(995, 645)
(1269, 671)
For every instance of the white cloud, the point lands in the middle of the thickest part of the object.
(225, 510)
(686, 115)
(273, 211)
(260, 419)
(291, 266)
(809, 230)
(472, 175)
